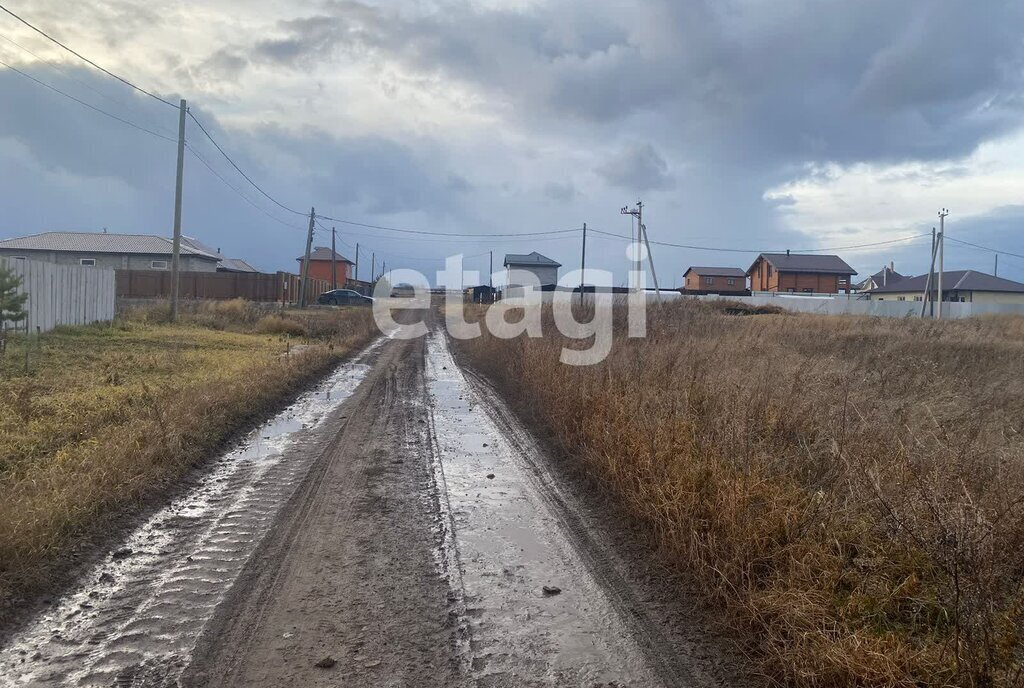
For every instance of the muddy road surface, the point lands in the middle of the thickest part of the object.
(396, 526)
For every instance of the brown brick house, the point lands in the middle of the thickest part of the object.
(706, 280)
(800, 273)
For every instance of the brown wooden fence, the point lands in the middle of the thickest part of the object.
(282, 287)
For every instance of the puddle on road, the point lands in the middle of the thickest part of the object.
(510, 545)
(135, 617)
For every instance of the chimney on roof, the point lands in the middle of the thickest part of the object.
(787, 253)
(885, 274)
(218, 250)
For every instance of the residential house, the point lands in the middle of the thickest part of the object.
(969, 286)
(545, 269)
(225, 264)
(800, 273)
(886, 276)
(321, 261)
(704, 280)
(107, 250)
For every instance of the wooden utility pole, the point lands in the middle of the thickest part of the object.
(357, 261)
(334, 258)
(583, 262)
(303, 286)
(176, 243)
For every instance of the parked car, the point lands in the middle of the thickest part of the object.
(344, 297)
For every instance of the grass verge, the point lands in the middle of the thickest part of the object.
(849, 491)
(108, 416)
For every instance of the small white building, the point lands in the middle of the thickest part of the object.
(545, 269)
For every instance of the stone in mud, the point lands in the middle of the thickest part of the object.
(326, 663)
(490, 476)
(551, 590)
(122, 553)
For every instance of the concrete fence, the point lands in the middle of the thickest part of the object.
(852, 305)
(63, 294)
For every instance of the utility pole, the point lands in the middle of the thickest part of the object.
(650, 261)
(928, 299)
(303, 286)
(373, 267)
(638, 213)
(490, 271)
(357, 261)
(176, 243)
(334, 259)
(995, 271)
(583, 262)
(942, 245)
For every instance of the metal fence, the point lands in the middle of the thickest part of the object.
(842, 304)
(63, 294)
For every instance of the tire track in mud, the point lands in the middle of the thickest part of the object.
(513, 536)
(133, 620)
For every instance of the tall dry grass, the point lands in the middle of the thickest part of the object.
(107, 417)
(848, 490)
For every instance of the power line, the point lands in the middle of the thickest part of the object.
(742, 250)
(239, 169)
(238, 191)
(986, 248)
(448, 234)
(58, 68)
(86, 59)
(88, 105)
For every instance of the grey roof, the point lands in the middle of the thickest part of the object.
(235, 265)
(324, 253)
(953, 280)
(529, 259)
(99, 242)
(880, 277)
(805, 262)
(197, 245)
(716, 272)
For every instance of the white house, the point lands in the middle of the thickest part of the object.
(545, 269)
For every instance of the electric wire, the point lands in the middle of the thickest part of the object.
(88, 105)
(86, 59)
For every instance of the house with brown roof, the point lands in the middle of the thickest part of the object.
(711, 280)
(965, 286)
(320, 265)
(800, 273)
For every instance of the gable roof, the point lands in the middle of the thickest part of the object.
(235, 265)
(716, 272)
(806, 262)
(325, 253)
(530, 260)
(100, 242)
(953, 280)
(886, 276)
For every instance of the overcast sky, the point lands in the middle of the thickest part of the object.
(743, 124)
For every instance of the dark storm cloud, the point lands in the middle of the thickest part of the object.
(637, 168)
(767, 83)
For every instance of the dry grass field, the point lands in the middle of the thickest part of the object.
(848, 491)
(108, 416)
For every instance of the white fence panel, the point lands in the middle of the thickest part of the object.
(64, 294)
(843, 305)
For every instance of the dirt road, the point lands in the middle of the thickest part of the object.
(397, 522)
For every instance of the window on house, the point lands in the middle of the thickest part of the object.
(918, 298)
(709, 280)
(791, 290)
(18, 257)
(901, 298)
(87, 261)
(808, 290)
(731, 281)
(842, 281)
(158, 265)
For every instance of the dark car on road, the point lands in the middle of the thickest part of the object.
(344, 297)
